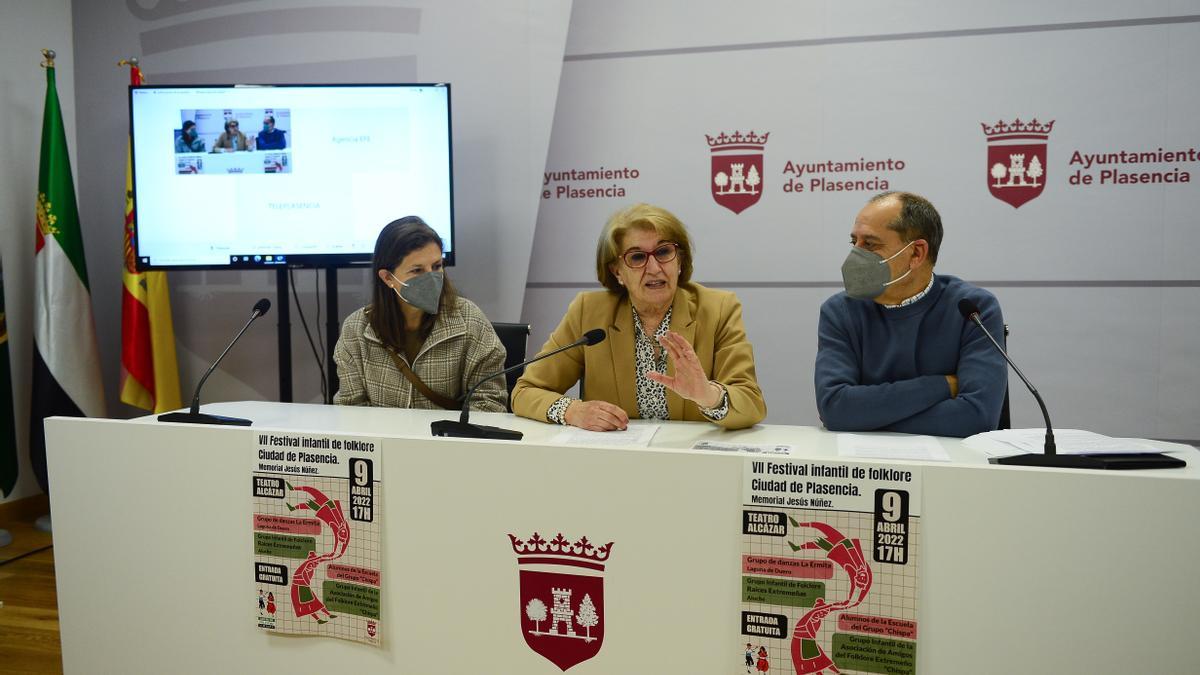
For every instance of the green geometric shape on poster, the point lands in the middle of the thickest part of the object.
(283, 545)
(809, 648)
(784, 592)
(351, 599)
(872, 654)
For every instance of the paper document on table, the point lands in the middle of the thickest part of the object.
(877, 446)
(635, 435)
(1066, 442)
(753, 448)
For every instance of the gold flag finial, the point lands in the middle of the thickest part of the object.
(131, 61)
(48, 55)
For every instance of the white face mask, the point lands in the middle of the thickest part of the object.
(865, 274)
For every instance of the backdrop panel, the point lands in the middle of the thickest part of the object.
(1058, 143)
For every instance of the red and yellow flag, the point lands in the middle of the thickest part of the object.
(149, 372)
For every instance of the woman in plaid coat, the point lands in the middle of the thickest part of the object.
(417, 321)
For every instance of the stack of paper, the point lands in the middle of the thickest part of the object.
(1006, 442)
(637, 435)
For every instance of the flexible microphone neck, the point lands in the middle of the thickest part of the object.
(1071, 460)
(194, 416)
(465, 416)
(972, 314)
(196, 396)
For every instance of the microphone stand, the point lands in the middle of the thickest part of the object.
(194, 416)
(462, 428)
(1050, 457)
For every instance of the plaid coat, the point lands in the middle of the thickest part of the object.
(461, 349)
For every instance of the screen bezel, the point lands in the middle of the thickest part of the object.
(315, 261)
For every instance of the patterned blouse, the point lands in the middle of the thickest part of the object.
(651, 396)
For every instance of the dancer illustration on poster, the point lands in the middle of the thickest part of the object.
(764, 664)
(808, 657)
(844, 551)
(329, 511)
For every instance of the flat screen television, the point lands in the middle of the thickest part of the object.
(254, 176)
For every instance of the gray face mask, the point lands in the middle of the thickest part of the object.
(423, 291)
(865, 274)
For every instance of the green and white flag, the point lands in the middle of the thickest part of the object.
(8, 439)
(66, 362)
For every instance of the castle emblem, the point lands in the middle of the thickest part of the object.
(562, 597)
(736, 178)
(1017, 159)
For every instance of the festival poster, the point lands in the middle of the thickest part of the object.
(830, 556)
(317, 534)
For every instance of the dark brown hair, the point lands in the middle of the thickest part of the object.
(397, 239)
(917, 220)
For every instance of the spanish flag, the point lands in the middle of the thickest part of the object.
(149, 372)
(66, 361)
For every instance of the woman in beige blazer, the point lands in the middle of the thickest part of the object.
(675, 349)
(232, 140)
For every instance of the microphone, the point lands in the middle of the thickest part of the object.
(194, 416)
(1050, 458)
(970, 312)
(463, 427)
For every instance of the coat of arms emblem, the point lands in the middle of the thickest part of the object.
(1017, 159)
(736, 178)
(562, 597)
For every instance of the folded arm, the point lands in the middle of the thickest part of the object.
(349, 359)
(485, 355)
(846, 405)
(982, 381)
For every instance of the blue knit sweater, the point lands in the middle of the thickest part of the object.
(884, 369)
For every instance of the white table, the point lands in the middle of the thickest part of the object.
(1023, 570)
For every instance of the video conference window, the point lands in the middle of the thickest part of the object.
(264, 133)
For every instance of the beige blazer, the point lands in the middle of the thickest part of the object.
(236, 141)
(710, 320)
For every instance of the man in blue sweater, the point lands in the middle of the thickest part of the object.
(270, 138)
(893, 351)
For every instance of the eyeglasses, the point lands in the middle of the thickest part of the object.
(233, 124)
(664, 253)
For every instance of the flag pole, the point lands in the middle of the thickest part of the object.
(149, 368)
(66, 377)
(43, 522)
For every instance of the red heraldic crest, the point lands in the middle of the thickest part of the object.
(736, 178)
(1016, 159)
(561, 612)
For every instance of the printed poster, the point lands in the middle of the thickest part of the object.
(830, 555)
(317, 535)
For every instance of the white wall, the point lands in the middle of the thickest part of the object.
(1098, 283)
(25, 29)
